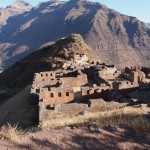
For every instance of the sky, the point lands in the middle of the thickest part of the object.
(136, 8)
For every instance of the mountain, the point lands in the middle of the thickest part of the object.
(114, 37)
(5, 14)
(148, 24)
(12, 10)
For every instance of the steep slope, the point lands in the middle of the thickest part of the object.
(49, 58)
(5, 14)
(22, 111)
(114, 38)
(119, 38)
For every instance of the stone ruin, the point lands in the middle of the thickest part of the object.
(78, 82)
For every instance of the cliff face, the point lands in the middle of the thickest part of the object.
(114, 38)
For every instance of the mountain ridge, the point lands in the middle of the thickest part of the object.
(114, 37)
(18, 4)
(51, 57)
(11, 10)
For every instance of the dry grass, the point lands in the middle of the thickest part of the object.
(128, 115)
(131, 116)
(11, 132)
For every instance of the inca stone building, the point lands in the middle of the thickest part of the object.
(79, 82)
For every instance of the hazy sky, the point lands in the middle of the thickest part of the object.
(136, 8)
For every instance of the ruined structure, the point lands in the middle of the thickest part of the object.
(59, 87)
(80, 82)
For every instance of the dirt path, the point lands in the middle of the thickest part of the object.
(84, 138)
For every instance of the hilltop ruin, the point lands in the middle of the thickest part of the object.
(82, 84)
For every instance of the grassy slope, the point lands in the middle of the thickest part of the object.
(17, 108)
(127, 115)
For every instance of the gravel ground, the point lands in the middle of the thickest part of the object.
(91, 137)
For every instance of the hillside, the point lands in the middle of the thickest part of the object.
(48, 58)
(16, 8)
(18, 109)
(114, 37)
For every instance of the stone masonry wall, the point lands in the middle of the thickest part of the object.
(77, 109)
(74, 81)
(60, 96)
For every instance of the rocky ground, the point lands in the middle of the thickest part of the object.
(90, 137)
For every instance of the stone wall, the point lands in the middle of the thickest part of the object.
(108, 73)
(60, 110)
(73, 109)
(44, 75)
(124, 85)
(94, 92)
(60, 96)
(74, 81)
(102, 105)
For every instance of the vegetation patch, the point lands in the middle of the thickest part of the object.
(128, 115)
(11, 132)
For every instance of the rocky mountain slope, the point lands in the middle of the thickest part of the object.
(114, 37)
(148, 24)
(12, 10)
(16, 8)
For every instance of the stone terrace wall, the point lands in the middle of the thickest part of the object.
(94, 93)
(127, 84)
(102, 105)
(76, 108)
(66, 109)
